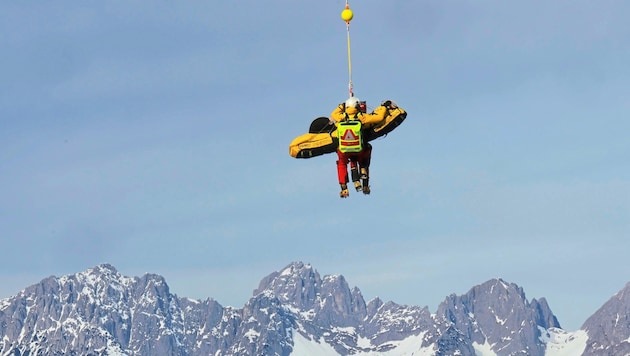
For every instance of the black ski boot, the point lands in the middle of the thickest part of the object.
(365, 180)
(344, 191)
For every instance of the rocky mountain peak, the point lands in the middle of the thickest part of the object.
(497, 312)
(297, 284)
(609, 328)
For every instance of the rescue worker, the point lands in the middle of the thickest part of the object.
(351, 119)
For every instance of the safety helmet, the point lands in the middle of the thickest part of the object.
(353, 102)
(352, 105)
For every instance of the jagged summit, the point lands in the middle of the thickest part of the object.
(104, 312)
(490, 309)
(298, 284)
(499, 296)
(104, 273)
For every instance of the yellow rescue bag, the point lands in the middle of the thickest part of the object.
(322, 135)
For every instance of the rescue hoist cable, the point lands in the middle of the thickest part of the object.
(347, 16)
(349, 61)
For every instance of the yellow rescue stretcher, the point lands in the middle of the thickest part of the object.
(322, 135)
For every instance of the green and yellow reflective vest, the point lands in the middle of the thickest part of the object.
(349, 134)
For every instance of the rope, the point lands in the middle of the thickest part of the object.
(349, 61)
(350, 86)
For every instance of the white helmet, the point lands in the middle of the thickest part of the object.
(353, 102)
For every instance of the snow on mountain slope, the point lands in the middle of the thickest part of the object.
(563, 343)
(558, 341)
(293, 312)
(407, 347)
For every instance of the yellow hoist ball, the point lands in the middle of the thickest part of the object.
(347, 15)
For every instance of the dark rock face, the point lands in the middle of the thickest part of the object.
(498, 313)
(609, 328)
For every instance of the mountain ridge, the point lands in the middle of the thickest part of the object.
(100, 311)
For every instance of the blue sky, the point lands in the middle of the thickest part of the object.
(154, 136)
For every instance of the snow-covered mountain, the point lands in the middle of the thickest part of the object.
(294, 311)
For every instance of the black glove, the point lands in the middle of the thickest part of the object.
(389, 104)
